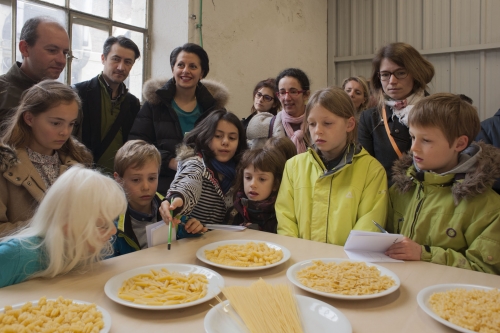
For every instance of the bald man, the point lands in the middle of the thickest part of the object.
(44, 45)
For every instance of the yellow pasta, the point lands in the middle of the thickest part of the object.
(345, 278)
(475, 310)
(61, 315)
(164, 288)
(245, 255)
(265, 308)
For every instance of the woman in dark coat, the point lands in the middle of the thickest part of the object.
(399, 78)
(174, 107)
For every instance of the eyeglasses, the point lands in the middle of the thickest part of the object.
(292, 92)
(399, 74)
(267, 98)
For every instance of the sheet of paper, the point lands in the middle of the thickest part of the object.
(370, 246)
(157, 233)
(225, 227)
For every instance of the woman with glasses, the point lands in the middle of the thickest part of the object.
(264, 100)
(399, 78)
(173, 108)
(293, 91)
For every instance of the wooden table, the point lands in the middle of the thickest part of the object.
(397, 312)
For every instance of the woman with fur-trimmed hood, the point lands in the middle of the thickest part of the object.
(174, 107)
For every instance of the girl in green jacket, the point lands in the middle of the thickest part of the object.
(336, 186)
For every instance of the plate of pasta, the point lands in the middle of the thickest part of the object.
(55, 315)
(343, 278)
(164, 286)
(243, 254)
(463, 307)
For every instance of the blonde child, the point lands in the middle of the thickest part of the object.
(203, 185)
(137, 165)
(442, 199)
(336, 186)
(36, 147)
(69, 231)
(257, 184)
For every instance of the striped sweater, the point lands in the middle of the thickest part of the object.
(196, 184)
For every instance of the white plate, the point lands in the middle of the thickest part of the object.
(316, 316)
(292, 276)
(215, 284)
(200, 254)
(424, 295)
(106, 317)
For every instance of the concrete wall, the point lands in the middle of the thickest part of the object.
(247, 41)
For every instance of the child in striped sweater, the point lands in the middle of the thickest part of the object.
(203, 185)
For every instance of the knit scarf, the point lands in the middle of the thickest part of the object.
(297, 136)
(258, 212)
(226, 169)
(408, 103)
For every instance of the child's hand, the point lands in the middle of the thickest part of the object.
(405, 250)
(193, 226)
(166, 207)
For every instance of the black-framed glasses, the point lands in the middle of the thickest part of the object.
(267, 98)
(292, 92)
(399, 74)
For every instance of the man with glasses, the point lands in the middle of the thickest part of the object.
(108, 108)
(44, 46)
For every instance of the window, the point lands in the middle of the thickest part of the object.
(89, 23)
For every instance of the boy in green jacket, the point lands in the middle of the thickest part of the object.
(441, 200)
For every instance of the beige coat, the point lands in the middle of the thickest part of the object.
(21, 187)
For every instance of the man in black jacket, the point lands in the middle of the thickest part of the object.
(108, 108)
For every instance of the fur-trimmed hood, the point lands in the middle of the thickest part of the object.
(469, 180)
(184, 153)
(8, 158)
(217, 89)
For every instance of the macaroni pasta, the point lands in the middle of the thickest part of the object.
(345, 278)
(246, 255)
(164, 288)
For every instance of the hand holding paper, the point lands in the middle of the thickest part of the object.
(370, 246)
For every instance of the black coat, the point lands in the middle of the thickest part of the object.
(89, 129)
(373, 137)
(158, 123)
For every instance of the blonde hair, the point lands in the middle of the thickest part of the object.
(135, 154)
(37, 100)
(437, 110)
(366, 91)
(67, 219)
(408, 57)
(335, 100)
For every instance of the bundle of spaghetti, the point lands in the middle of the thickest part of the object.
(265, 308)
(345, 278)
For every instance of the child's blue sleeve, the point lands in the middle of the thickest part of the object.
(181, 231)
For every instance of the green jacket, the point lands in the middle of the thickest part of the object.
(325, 205)
(454, 216)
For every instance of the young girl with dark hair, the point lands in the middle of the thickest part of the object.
(258, 181)
(203, 186)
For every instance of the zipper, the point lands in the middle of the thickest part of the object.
(417, 211)
(400, 221)
(328, 209)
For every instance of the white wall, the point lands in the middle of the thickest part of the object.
(247, 41)
(460, 37)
